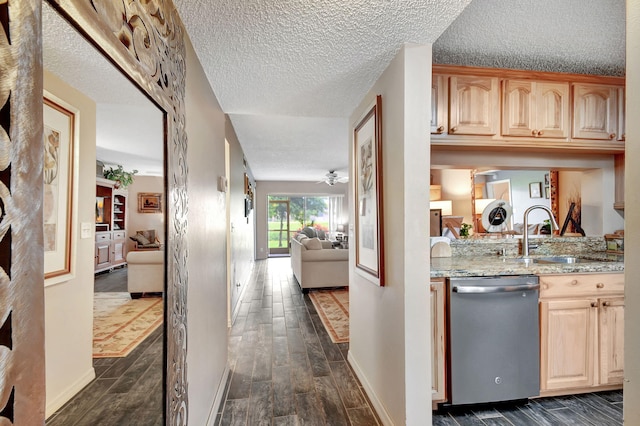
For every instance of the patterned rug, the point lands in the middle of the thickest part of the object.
(120, 323)
(333, 308)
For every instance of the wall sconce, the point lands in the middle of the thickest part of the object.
(444, 205)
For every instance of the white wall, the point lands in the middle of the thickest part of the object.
(632, 225)
(266, 188)
(206, 236)
(69, 304)
(242, 228)
(143, 221)
(390, 326)
(520, 199)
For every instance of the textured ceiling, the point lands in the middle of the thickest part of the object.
(290, 72)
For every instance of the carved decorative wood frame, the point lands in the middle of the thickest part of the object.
(145, 39)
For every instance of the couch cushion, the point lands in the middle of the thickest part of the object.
(140, 239)
(300, 237)
(312, 243)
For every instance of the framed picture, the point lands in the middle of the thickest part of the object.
(535, 190)
(547, 192)
(59, 170)
(149, 202)
(369, 244)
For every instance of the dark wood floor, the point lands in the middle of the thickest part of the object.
(285, 369)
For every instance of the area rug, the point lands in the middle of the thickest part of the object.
(121, 323)
(333, 308)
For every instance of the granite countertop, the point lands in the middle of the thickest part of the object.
(469, 266)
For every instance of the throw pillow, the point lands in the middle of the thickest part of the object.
(300, 237)
(312, 244)
(309, 232)
(321, 234)
(140, 239)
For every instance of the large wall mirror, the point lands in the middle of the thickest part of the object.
(144, 40)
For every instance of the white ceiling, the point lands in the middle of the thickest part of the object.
(289, 73)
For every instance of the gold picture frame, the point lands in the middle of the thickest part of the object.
(369, 242)
(149, 202)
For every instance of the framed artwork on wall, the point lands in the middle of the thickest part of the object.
(59, 170)
(149, 202)
(535, 190)
(369, 244)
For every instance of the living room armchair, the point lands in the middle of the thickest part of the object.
(146, 240)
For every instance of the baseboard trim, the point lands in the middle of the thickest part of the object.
(220, 393)
(377, 405)
(69, 392)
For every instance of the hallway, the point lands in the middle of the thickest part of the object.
(285, 368)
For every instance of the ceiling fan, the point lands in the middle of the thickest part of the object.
(332, 178)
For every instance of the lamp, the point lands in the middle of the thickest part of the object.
(482, 203)
(340, 228)
(444, 205)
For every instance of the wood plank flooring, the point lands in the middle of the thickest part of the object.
(285, 368)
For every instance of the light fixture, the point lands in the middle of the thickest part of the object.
(444, 205)
(482, 203)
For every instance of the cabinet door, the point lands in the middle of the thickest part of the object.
(535, 109)
(518, 111)
(438, 104)
(118, 250)
(595, 111)
(567, 346)
(103, 254)
(474, 107)
(437, 341)
(611, 327)
(552, 110)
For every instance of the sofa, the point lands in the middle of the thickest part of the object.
(145, 272)
(316, 264)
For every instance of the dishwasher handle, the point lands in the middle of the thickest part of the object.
(494, 289)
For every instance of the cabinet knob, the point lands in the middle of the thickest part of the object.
(574, 282)
(623, 137)
(605, 304)
(433, 287)
(612, 136)
(600, 285)
(594, 304)
(540, 133)
(440, 129)
(534, 132)
(454, 129)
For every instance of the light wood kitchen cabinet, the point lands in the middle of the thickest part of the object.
(439, 104)
(567, 346)
(438, 366)
(536, 109)
(581, 332)
(595, 111)
(611, 328)
(622, 109)
(474, 105)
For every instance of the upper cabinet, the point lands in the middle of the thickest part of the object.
(595, 111)
(474, 105)
(535, 109)
(484, 107)
(439, 104)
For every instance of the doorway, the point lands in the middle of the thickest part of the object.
(279, 226)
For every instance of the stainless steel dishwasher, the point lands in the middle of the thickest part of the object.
(494, 349)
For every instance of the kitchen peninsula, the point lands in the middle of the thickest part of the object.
(581, 307)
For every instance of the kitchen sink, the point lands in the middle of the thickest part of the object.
(549, 259)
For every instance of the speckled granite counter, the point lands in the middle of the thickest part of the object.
(479, 257)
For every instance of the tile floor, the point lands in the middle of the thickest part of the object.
(286, 371)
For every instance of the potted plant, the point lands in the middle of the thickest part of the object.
(464, 230)
(120, 176)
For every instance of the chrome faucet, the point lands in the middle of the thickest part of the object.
(525, 231)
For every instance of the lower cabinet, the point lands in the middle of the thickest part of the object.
(582, 332)
(110, 250)
(438, 366)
